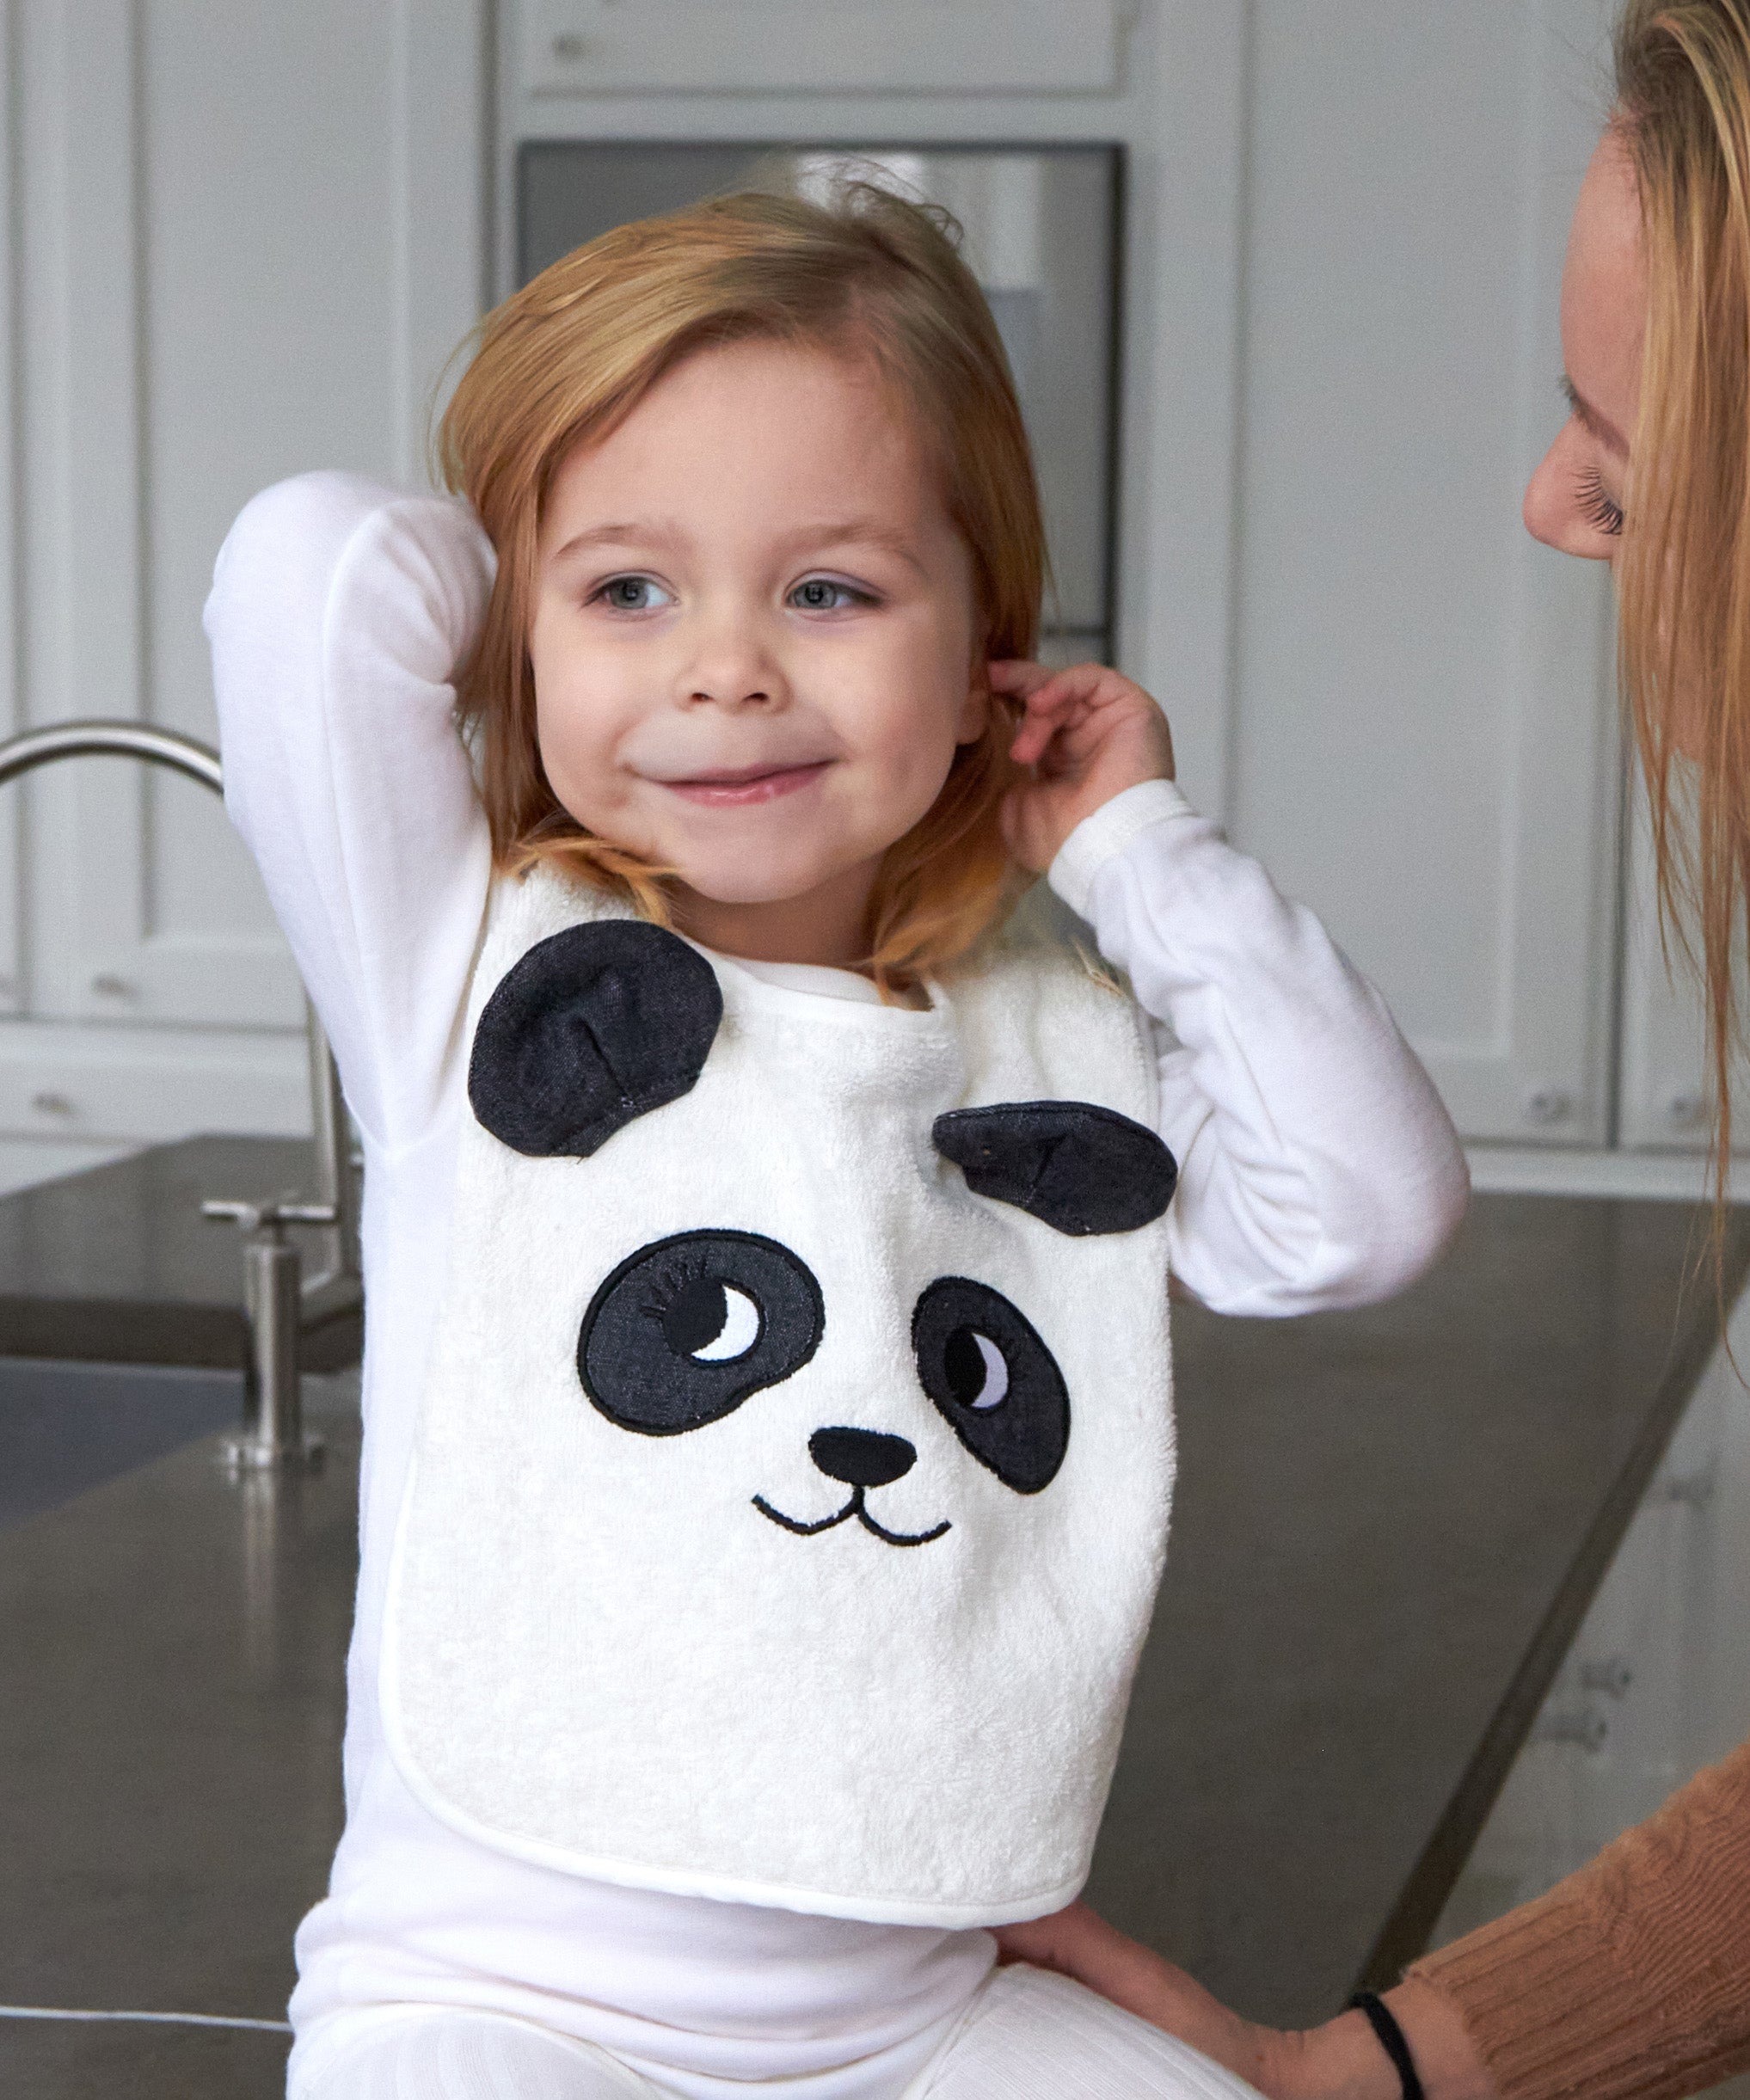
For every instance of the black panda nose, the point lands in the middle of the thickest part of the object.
(862, 1458)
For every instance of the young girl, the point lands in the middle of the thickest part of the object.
(766, 1399)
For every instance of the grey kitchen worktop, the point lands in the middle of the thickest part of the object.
(1388, 1525)
(117, 1265)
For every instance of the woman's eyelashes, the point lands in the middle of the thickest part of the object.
(1597, 506)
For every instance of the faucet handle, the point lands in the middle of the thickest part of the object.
(269, 1218)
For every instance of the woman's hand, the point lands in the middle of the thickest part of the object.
(1341, 2061)
(1078, 1943)
(1087, 734)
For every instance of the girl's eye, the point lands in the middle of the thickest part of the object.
(821, 594)
(632, 594)
(1600, 511)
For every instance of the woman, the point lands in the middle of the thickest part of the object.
(1633, 1976)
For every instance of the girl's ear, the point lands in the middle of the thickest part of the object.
(975, 708)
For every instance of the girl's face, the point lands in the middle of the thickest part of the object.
(753, 642)
(1574, 500)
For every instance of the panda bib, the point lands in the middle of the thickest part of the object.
(790, 1485)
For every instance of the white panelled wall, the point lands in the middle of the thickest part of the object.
(242, 240)
(238, 239)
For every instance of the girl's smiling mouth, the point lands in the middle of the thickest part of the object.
(734, 787)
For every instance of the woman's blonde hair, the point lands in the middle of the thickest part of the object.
(868, 276)
(1683, 577)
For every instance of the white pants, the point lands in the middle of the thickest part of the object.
(1027, 2035)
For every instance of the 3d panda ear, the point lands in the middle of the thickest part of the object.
(1080, 1168)
(594, 1028)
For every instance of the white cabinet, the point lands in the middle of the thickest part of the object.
(1665, 1066)
(243, 239)
(1422, 731)
(932, 47)
(237, 241)
(1421, 715)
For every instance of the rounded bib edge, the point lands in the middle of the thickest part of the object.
(721, 1889)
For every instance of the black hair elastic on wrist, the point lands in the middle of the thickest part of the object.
(1392, 2041)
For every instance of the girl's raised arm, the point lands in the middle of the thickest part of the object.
(339, 613)
(1317, 1166)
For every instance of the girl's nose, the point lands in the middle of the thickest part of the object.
(731, 666)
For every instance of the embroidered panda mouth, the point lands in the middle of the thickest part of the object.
(861, 1458)
(854, 1507)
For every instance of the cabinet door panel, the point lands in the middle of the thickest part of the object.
(191, 333)
(245, 240)
(1424, 744)
(1666, 1083)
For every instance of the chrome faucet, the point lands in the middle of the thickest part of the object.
(272, 1432)
(279, 1300)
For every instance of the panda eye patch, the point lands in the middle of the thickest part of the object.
(993, 1381)
(686, 1328)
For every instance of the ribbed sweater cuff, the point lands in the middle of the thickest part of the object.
(1112, 826)
(1544, 1955)
(1632, 1977)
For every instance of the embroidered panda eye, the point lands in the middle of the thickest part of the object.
(993, 1380)
(713, 1323)
(687, 1328)
(977, 1374)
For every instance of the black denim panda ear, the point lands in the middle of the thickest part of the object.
(594, 1028)
(1080, 1168)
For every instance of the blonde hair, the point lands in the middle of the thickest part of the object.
(1683, 115)
(870, 276)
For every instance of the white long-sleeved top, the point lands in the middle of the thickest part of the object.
(1317, 1169)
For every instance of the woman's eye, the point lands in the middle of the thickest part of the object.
(632, 594)
(821, 594)
(1600, 511)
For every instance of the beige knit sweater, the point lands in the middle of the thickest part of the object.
(1631, 1978)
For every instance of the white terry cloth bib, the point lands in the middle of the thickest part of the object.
(791, 1481)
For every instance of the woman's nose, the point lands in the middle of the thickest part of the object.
(1552, 511)
(1543, 510)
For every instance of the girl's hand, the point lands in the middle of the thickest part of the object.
(1087, 734)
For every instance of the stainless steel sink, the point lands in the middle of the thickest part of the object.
(68, 1427)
